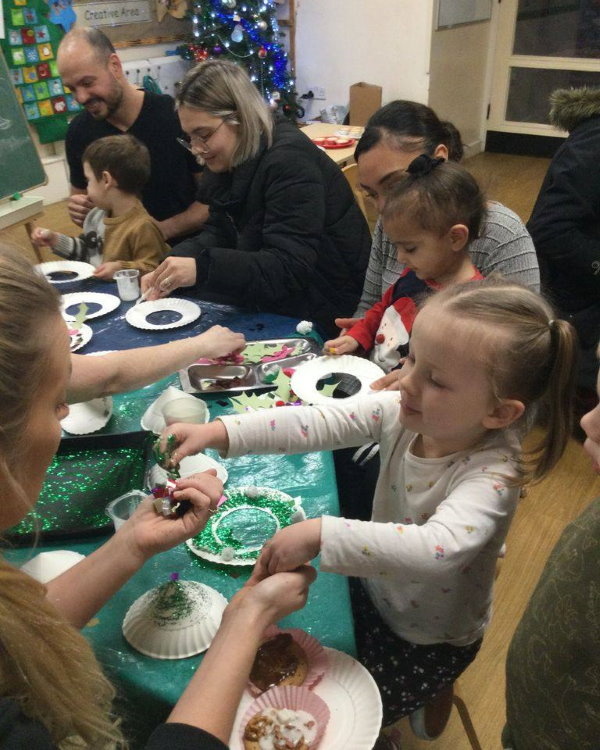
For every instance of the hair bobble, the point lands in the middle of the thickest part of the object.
(424, 165)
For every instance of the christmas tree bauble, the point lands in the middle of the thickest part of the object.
(230, 3)
(262, 53)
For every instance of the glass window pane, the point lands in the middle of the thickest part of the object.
(558, 28)
(530, 88)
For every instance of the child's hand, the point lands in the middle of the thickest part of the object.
(345, 323)
(44, 237)
(341, 345)
(291, 547)
(106, 271)
(194, 438)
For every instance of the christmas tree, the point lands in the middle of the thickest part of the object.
(247, 32)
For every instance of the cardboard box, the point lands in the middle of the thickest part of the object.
(365, 99)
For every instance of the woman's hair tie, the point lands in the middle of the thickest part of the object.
(424, 165)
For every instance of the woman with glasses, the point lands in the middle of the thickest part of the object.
(284, 234)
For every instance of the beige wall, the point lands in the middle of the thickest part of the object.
(385, 42)
(458, 79)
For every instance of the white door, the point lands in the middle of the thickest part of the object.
(541, 45)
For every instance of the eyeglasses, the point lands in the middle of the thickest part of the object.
(202, 140)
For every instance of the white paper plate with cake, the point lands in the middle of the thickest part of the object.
(353, 700)
(248, 518)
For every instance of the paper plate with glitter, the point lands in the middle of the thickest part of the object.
(154, 417)
(305, 379)
(175, 620)
(161, 314)
(296, 713)
(79, 337)
(88, 416)
(248, 518)
(97, 303)
(64, 271)
(187, 466)
(352, 697)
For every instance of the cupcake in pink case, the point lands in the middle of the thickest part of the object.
(284, 718)
(287, 657)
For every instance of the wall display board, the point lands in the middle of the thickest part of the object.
(455, 12)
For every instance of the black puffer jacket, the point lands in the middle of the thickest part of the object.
(565, 222)
(284, 235)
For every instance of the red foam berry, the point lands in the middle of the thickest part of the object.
(288, 371)
(279, 403)
(380, 338)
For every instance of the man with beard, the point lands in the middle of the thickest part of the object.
(90, 67)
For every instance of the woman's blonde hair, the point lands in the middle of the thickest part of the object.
(45, 664)
(530, 355)
(223, 89)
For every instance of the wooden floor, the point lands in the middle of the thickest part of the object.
(541, 517)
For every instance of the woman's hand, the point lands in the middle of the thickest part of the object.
(172, 273)
(341, 345)
(345, 323)
(147, 532)
(219, 342)
(79, 207)
(194, 438)
(389, 382)
(290, 548)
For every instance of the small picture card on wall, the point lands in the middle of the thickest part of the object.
(43, 71)
(18, 56)
(28, 93)
(45, 51)
(54, 69)
(42, 34)
(17, 18)
(31, 111)
(31, 54)
(59, 105)
(30, 74)
(72, 103)
(28, 36)
(19, 95)
(30, 15)
(16, 76)
(20, 2)
(41, 90)
(56, 88)
(14, 38)
(46, 108)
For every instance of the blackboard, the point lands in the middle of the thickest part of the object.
(21, 166)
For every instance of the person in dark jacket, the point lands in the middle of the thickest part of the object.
(565, 222)
(284, 234)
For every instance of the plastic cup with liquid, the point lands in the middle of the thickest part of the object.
(121, 509)
(128, 283)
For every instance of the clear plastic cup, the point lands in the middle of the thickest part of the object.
(120, 509)
(128, 283)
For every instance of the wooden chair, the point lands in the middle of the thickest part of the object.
(368, 209)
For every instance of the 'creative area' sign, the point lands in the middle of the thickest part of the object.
(113, 13)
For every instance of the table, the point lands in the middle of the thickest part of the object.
(341, 156)
(151, 685)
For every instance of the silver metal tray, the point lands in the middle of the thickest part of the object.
(212, 378)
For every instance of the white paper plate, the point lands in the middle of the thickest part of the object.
(218, 523)
(81, 270)
(353, 700)
(107, 302)
(88, 416)
(166, 634)
(84, 334)
(48, 565)
(307, 375)
(153, 419)
(137, 315)
(189, 465)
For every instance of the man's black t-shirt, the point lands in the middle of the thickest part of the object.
(171, 187)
